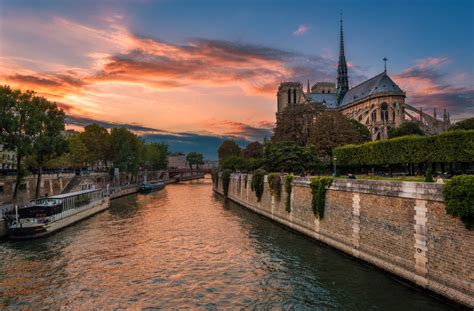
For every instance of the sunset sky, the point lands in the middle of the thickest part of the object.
(211, 68)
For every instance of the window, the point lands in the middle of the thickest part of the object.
(2, 189)
(22, 187)
(384, 112)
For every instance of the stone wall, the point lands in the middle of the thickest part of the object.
(401, 227)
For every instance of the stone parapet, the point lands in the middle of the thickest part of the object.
(401, 227)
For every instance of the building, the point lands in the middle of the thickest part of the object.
(177, 161)
(7, 159)
(378, 103)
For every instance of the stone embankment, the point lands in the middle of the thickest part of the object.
(401, 227)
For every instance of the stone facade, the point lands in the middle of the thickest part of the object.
(401, 227)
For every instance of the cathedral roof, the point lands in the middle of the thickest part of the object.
(329, 99)
(381, 83)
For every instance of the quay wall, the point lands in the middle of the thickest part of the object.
(401, 227)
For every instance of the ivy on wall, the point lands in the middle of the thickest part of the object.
(225, 181)
(458, 194)
(274, 183)
(319, 186)
(288, 189)
(258, 178)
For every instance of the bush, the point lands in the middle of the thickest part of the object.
(447, 147)
(319, 186)
(225, 181)
(459, 198)
(274, 183)
(288, 189)
(405, 129)
(258, 178)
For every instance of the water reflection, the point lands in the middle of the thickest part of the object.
(186, 247)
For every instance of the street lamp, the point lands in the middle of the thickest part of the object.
(334, 163)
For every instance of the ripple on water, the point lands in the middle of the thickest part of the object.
(185, 247)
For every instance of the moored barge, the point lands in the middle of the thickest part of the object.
(152, 186)
(44, 216)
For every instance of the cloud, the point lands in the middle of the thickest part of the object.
(205, 143)
(427, 86)
(301, 30)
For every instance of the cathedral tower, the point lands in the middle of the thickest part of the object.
(342, 78)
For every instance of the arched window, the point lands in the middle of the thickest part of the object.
(373, 115)
(384, 112)
(294, 95)
(289, 96)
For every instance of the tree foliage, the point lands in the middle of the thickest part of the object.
(458, 193)
(290, 157)
(98, 143)
(363, 133)
(253, 150)
(406, 129)
(126, 150)
(30, 125)
(156, 156)
(228, 148)
(295, 124)
(467, 124)
(332, 129)
(195, 158)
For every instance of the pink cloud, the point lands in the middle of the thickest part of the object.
(302, 29)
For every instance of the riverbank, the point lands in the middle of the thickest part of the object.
(401, 227)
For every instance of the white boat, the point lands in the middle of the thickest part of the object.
(47, 215)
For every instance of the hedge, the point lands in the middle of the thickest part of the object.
(458, 194)
(447, 147)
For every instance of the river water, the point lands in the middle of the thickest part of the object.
(184, 247)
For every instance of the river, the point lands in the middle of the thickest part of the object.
(185, 247)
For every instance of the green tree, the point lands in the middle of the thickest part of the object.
(289, 157)
(78, 153)
(405, 129)
(362, 131)
(127, 150)
(48, 142)
(295, 123)
(253, 150)
(156, 156)
(20, 121)
(234, 163)
(228, 148)
(97, 141)
(195, 158)
(332, 129)
(466, 124)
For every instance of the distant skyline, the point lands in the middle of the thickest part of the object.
(213, 67)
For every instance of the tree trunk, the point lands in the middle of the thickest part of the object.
(38, 181)
(19, 177)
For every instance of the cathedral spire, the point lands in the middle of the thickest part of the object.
(342, 78)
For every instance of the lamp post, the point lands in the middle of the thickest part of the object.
(334, 159)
